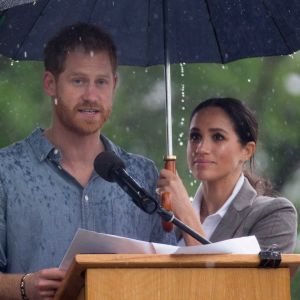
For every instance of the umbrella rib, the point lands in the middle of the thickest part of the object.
(276, 25)
(92, 10)
(148, 29)
(21, 44)
(215, 32)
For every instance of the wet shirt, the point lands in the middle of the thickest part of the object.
(42, 206)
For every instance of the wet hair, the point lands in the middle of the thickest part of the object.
(89, 38)
(246, 128)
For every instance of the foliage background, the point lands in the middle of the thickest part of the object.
(270, 87)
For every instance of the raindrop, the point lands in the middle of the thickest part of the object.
(25, 54)
(249, 80)
(127, 129)
(146, 70)
(291, 84)
(92, 53)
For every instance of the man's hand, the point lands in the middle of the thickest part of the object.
(43, 284)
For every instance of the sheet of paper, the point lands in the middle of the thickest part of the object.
(242, 245)
(90, 242)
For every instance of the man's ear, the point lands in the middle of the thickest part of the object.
(49, 83)
(116, 79)
(249, 150)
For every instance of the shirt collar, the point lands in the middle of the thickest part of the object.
(39, 144)
(43, 148)
(223, 209)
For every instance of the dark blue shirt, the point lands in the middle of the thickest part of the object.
(42, 206)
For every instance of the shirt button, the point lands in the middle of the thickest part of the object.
(86, 198)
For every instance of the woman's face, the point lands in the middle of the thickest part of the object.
(214, 151)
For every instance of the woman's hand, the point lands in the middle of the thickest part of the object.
(180, 202)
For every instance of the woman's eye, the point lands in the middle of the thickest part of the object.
(218, 137)
(195, 137)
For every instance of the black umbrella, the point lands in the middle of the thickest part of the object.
(151, 32)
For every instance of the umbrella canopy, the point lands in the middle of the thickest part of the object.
(198, 30)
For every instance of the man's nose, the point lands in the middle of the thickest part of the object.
(91, 92)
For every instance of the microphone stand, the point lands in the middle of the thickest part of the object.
(169, 216)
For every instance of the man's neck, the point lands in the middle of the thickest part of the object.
(78, 152)
(75, 147)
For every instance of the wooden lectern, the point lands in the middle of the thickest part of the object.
(166, 277)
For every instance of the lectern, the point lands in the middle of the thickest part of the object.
(166, 277)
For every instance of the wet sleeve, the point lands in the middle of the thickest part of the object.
(2, 229)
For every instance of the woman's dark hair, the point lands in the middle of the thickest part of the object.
(89, 38)
(246, 128)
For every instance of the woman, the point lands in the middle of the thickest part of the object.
(229, 202)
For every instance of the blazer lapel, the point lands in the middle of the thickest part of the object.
(236, 213)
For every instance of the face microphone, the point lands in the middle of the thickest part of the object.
(111, 168)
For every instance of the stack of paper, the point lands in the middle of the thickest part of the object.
(90, 242)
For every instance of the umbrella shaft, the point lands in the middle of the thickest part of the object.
(169, 141)
(169, 135)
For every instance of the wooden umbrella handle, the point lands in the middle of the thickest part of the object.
(170, 164)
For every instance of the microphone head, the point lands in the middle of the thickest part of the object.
(106, 163)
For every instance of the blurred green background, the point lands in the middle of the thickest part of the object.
(270, 87)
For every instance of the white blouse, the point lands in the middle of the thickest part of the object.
(212, 221)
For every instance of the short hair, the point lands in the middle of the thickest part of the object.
(84, 36)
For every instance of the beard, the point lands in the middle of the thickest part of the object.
(70, 117)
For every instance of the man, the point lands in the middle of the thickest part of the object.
(48, 187)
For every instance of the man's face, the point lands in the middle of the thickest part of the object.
(84, 92)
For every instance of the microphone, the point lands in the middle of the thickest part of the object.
(111, 168)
